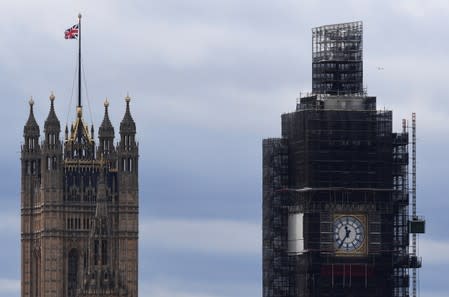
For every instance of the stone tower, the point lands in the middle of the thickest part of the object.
(335, 186)
(79, 205)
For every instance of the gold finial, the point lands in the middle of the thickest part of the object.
(52, 96)
(106, 102)
(127, 98)
(31, 102)
(79, 111)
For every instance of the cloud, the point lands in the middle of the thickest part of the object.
(421, 9)
(10, 223)
(434, 252)
(158, 291)
(9, 286)
(429, 293)
(172, 287)
(207, 236)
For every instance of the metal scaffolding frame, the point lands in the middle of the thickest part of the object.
(338, 156)
(331, 160)
(337, 59)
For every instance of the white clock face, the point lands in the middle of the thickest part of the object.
(349, 233)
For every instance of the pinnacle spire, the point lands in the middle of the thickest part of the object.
(127, 125)
(52, 122)
(31, 127)
(106, 128)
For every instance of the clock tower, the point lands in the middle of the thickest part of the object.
(335, 186)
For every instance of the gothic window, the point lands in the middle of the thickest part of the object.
(72, 277)
(103, 227)
(130, 165)
(54, 163)
(104, 252)
(96, 252)
(27, 168)
(51, 139)
(33, 167)
(31, 143)
(36, 274)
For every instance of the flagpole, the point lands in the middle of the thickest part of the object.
(79, 60)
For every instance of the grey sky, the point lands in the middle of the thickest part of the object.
(208, 81)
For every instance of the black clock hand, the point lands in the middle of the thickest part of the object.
(346, 236)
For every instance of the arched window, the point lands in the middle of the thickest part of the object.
(31, 143)
(36, 274)
(104, 252)
(27, 168)
(72, 275)
(96, 253)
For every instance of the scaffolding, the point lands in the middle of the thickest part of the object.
(337, 59)
(337, 154)
(338, 157)
(416, 224)
(400, 222)
(277, 269)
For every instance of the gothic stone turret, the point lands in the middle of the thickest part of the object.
(79, 205)
(31, 217)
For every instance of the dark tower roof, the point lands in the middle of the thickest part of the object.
(31, 127)
(52, 122)
(127, 126)
(106, 128)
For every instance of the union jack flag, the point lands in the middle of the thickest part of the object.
(72, 32)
